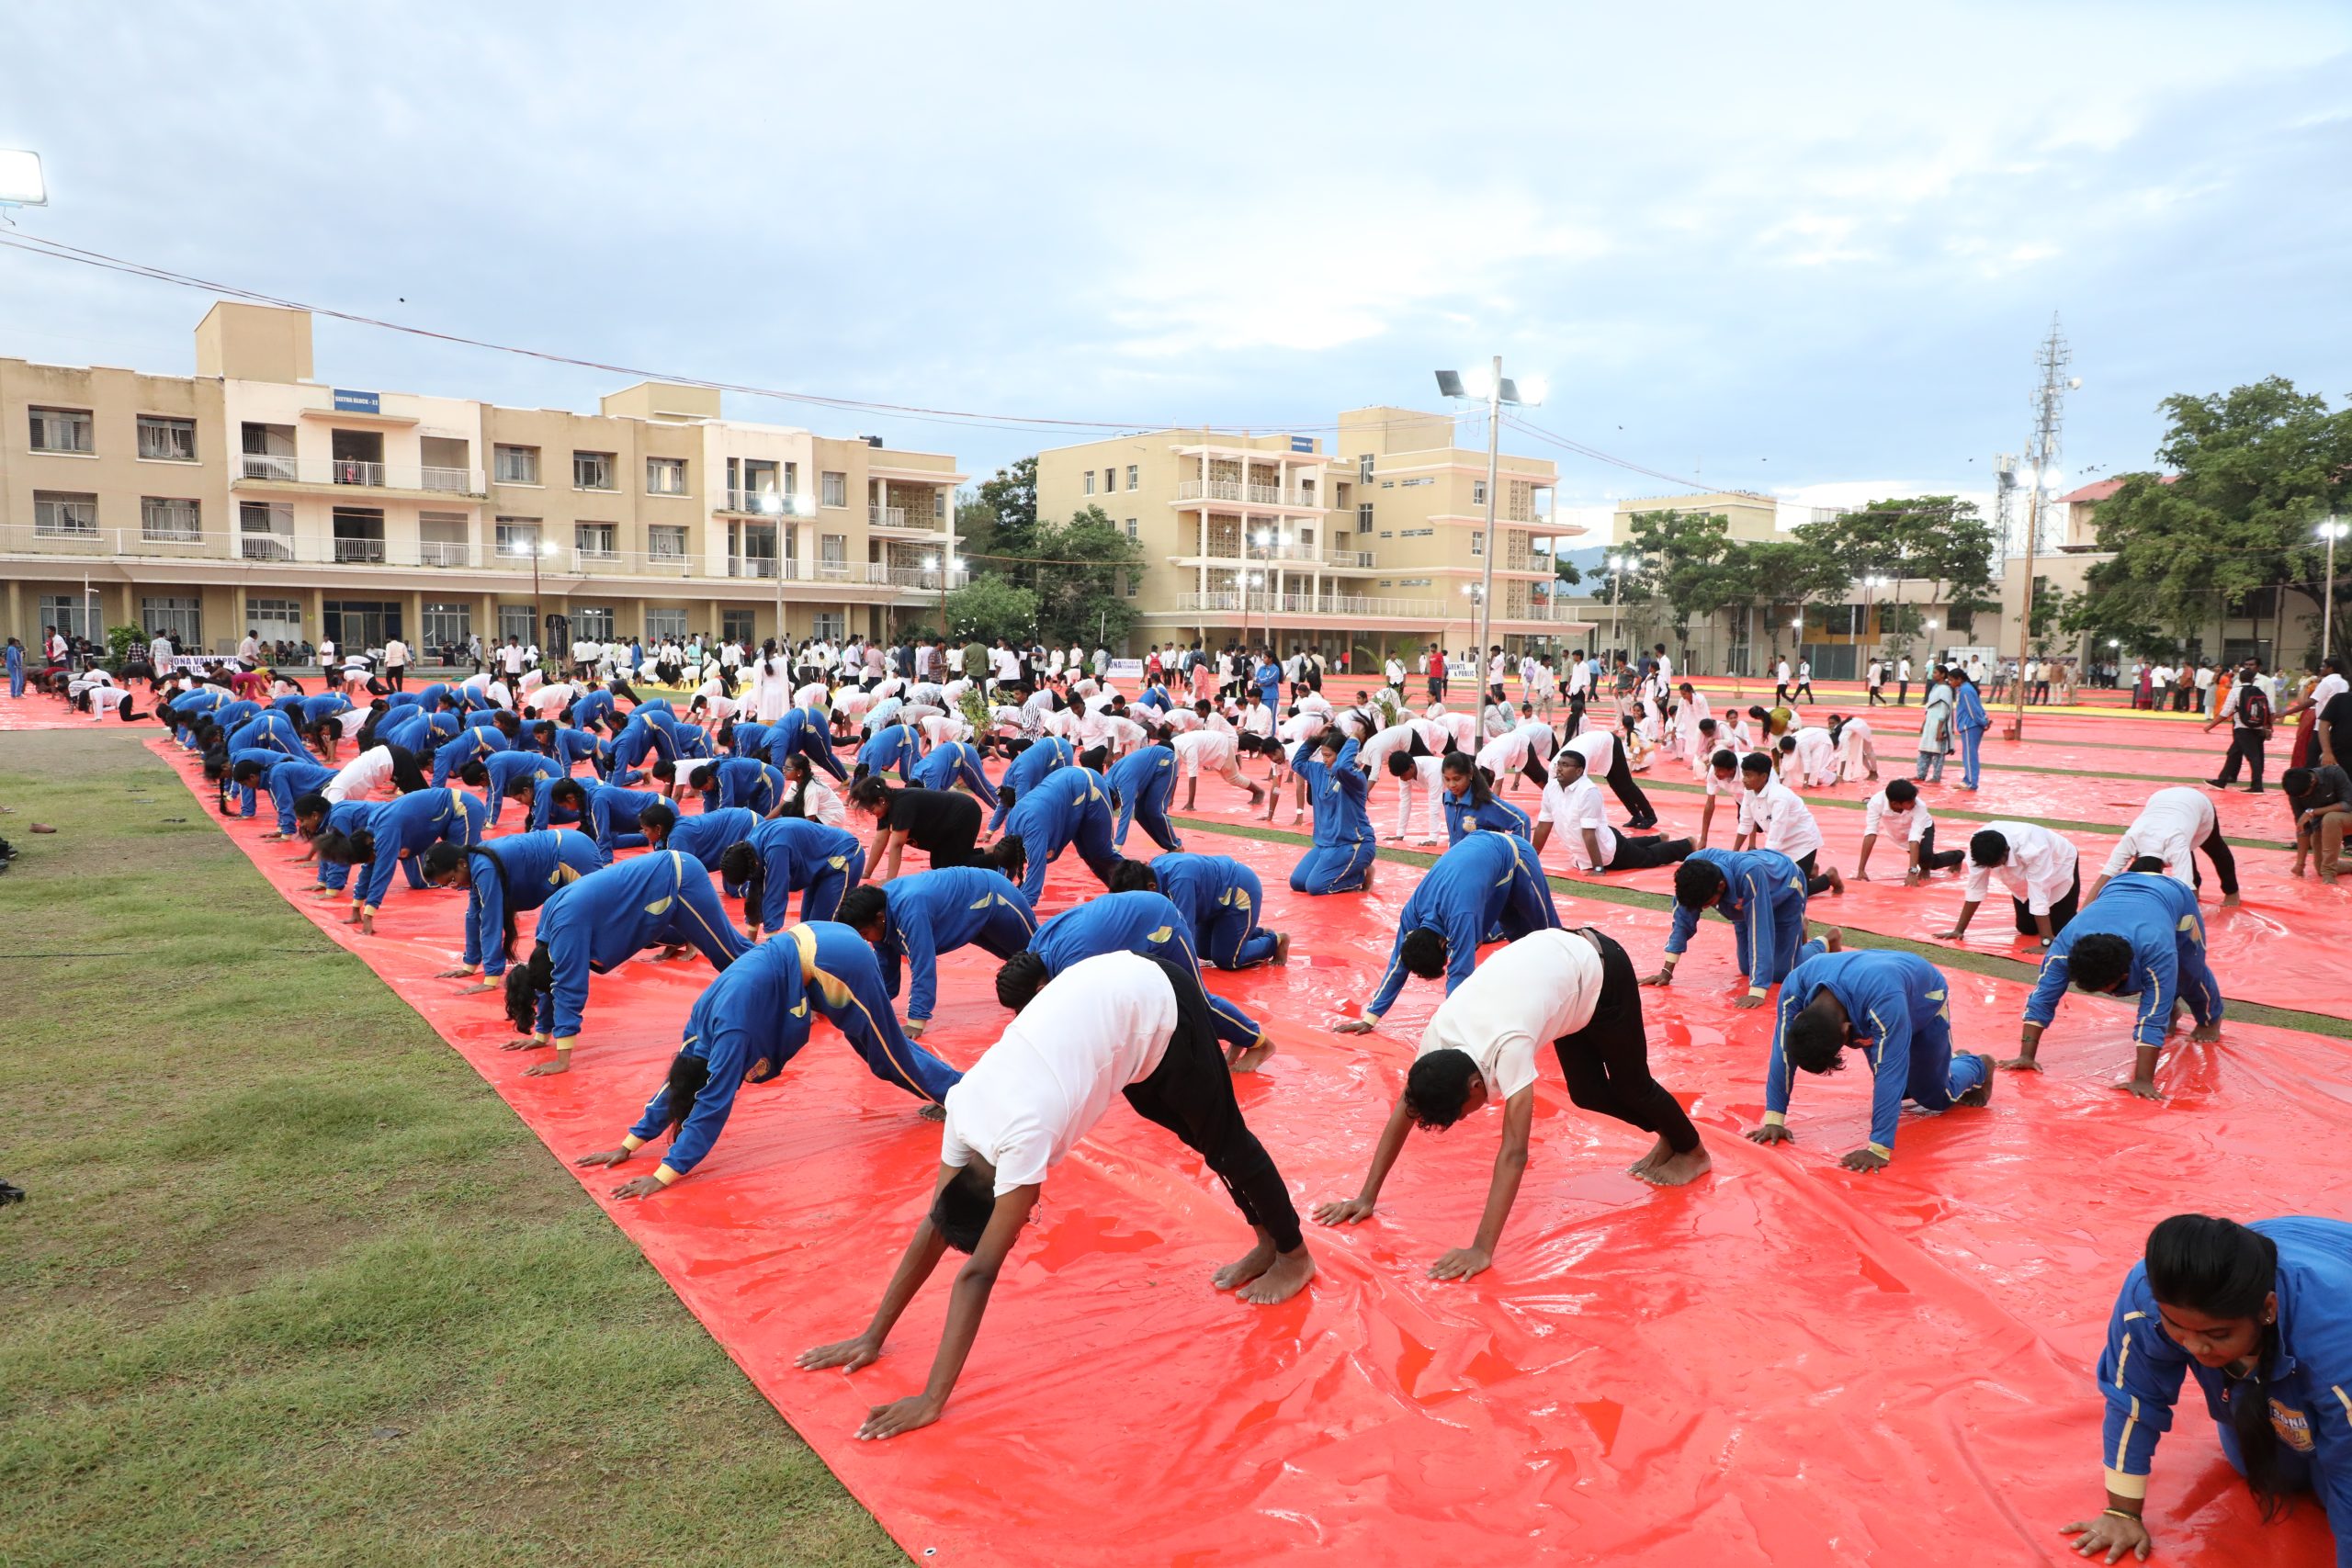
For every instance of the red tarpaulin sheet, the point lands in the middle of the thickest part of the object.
(1784, 1363)
(32, 712)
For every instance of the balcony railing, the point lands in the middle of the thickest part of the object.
(922, 578)
(444, 552)
(1541, 610)
(886, 516)
(1303, 555)
(265, 546)
(353, 472)
(360, 550)
(1230, 601)
(1247, 495)
(763, 503)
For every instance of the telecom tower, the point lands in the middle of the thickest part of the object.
(2042, 462)
(2005, 490)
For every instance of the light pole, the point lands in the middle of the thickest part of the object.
(539, 547)
(1496, 391)
(1616, 576)
(2331, 530)
(1870, 585)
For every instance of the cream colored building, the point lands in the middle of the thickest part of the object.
(1751, 517)
(1355, 544)
(251, 496)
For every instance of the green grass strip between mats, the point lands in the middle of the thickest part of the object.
(2108, 828)
(1989, 964)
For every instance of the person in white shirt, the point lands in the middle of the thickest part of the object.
(2174, 825)
(2037, 867)
(1525, 748)
(1780, 682)
(1896, 809)
(2205, 678)
(250, 649)
(1606, 760)
(371, 770)
(1903, 680)
(1573, 803)
(1773, 817)
(1809, 757)
(1220, 751)
(1116, 1023)
(1690, 710)
(1577, 990)
(1857, 753)
(1394, 671)
(1804, 680)
(806, 794)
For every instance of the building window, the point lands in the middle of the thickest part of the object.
(180, 619)
(1090, 481)
(591, 470)
(666, 626)
(665, 541)
(1363, 468)
(359, 536)
(518, 535)
(1477, 542)
(836, 490)
(1135, 475)
(1477, 492)
(443, 538)
(174, 522)
(515, 621)
(62, 429)
(517, 464)
(275, 620)
(447, 626)
(1131, 529)
(594, 622)
(1363, 518)
(1131, 583)
(59, 515)
(736, 626)
(665, 476)
(264, 530)
(596, 541)
(832, 555)
(74, 615)
(829, 626)
(166, 440)
(939, 506)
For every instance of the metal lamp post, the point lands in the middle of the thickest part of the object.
(1497, 392)
(2331, 530)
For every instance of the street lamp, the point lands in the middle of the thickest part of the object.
(1870, 584)
(539, 548)
(2331, 530)
(20, 181)
(1496, 389)
(1617, 565)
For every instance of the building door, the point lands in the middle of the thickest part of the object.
(362, 622)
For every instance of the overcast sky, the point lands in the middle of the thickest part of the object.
(1806, 255)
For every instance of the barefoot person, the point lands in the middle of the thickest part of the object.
(1895, 1008)
(911, 921)
(2041, 869)
(2261, 1317)
(2144, 938)
(1896, 809)
(520, 872)
(1762, 895)
(1111, 1024)
(2174, 826)
(1575, 988)
(1222, 899)
(1486, 883)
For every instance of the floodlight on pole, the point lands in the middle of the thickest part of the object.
(2331, 530)
(20, 179)
(1495, 389)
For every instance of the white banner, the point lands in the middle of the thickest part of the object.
(1126, 669)
(1461, 669)
(200, 662)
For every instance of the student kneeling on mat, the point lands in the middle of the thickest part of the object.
(1576, 988)
(1113, 1023)
(752, 1021)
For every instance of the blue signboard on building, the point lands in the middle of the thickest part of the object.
(1302, 444)
(358, 402)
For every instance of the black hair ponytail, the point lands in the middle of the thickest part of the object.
(688, 1076)
(2223, 1268)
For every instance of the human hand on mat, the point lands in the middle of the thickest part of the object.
(1355, 1026)
(528, 1042)
(640, 1187)
(604, 1157)
(2111, 1533)
(1955, 934)
(562, 1064)
(1343, 1211)
(2144, 1088)
(900, 1416)
(1749, 1000)
(2021, 1064)
(1770, 1133)
(1663, 977)
(1864, 1160)
(460, 972)
(847, 1354)
(1461, 1263)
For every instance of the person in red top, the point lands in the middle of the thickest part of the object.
(1434, 668)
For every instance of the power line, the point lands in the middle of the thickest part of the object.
(1597, 455)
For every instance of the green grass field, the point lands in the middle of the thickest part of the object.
(293, 1286)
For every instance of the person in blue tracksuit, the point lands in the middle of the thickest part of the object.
(1029, 770)
(2260, 1315)
(267, 731)
(1146, 924)
(953, 762)
(743, 738)
(1068, 808)
(1969, 722)
(566, 746)
(607, 813)
(509, 775)
(593, 706)
(892, 746)
(1761, 892)
(15, 657)
(605, 919)
(288, 779)
(2148, 943)
(808, 732)
(234, 713)
(399, 831)
(1488, 882)
(752, 1021)
(786, 853)
(1471, 804)
(471, 744)
(416, 729)
(1222, 899)
(642, 737)
(517, 872)
(1895, 1008)
(244, 772)
(325, 705)
(190, 708)
(707, 835)
(546, 811)
(912, 920)
(745, 782)
(1142, 781)
(1342, 855)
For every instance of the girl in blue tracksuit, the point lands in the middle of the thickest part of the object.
(743, 738)
(608, 814)
(913, 920)
(742, 781)
(1340, 861)
(267, 731)
(16, 656)
(892, 746)
(246, 773)
(1969, 722)
(234, 713)
(288, 779)
(521, 871)
(1761, 892)
(1893, 1006)
(568, 747)
(1068, 808)
(592, 706)
(1027, 770)
(1472, 805)
(786, 853)
(707, 835)
(642, 737)
(1145, 924)
(2260, 1315)
(1488, 882)
(471, 744)
(190, 708)
(753, 1019)
(1142, 781)
(400, 830)
(805, 730)
(1221, 898)
(416, 729)
(546, 811)
(953, 762)
(605, 919)
(2143, 936)
(509, 775)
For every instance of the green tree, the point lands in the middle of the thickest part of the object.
(2049, 612)
(1077, 569)
(1002, 517)
(992, 606)
(1776, 578)
(1683, 559)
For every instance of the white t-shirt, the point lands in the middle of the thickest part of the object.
(360, 777)
(1598, 749)
(1572, 808)
(1104, 1024)
(1879, 815)
(2174, 822)
(2040, 870)
(396, 654)
(1785, 822)
(1521, 999)
(1196, 748)
(1816, 754)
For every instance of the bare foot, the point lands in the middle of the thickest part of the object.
(1679, 1170)
(1246, 1267)
(1982, 1093)
(2230, 901)
(1837, 882)
(933, 1114)
(1286, 1278)
(1368, 869)
(1282, 947)
(1834, 938)
(1254, 1057)
(1657, 1154)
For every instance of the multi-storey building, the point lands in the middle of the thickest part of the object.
(249, 496)
(1375, 542)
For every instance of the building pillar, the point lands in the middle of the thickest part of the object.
(315, 613)
(17, 627)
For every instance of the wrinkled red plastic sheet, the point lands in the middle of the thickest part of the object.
(1784, 1363)
(35, 712)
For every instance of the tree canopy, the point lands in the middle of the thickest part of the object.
(992, 606)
